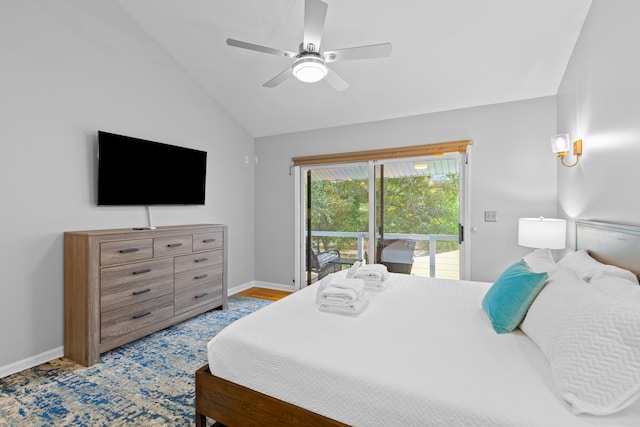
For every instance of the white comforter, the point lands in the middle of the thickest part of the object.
(422, 354)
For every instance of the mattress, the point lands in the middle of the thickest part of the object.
(422, 353)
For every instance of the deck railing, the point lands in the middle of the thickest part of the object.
(362, 236)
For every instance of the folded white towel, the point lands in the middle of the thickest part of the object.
(350, 309)
(353, 268)
(337, 295)
(374, 267)
(346, 283)
(376, 285)
(339, 290)
(369, 275)
(375, 276)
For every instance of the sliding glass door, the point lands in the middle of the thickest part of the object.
(336, 218)
(418, 215)
(403, 213)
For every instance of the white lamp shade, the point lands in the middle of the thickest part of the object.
(542, 233)
(560, 143)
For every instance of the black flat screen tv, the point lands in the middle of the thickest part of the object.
(137, 172)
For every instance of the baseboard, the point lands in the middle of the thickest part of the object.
(257, 284)
(276, 286)
(30, 362)
(47, 356)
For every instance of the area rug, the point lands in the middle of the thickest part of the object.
(149, 382)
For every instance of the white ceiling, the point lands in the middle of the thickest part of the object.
(447, 54)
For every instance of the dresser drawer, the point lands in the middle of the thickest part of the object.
(122, 321)
(196, 277)
(123, 284)
(197, 296)
(127, 284)
(171, 246)
(112, 253)
(198, 261)
(204, 241)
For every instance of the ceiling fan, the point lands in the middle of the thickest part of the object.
(309, 63)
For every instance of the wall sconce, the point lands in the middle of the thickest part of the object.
(560, 146)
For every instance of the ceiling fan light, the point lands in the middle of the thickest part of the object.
(309, 69)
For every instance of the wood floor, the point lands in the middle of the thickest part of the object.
(263, 293)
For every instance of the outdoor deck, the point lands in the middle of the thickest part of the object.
(447, 265)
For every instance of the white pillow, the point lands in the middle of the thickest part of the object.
(587, 267)
(592, 342)
(614, 285)
(541, 261)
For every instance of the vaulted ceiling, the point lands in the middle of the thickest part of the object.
(446, 54)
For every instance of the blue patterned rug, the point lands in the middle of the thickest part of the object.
(149, 382)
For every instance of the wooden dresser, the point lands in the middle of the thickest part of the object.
(124, 284)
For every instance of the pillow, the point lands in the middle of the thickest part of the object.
(541, 261)
(509, 298)
(614, 285)
(592, 342)
(587, 267)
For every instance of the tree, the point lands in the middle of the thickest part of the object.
(338, 206)
(422, 205)
(412, 205)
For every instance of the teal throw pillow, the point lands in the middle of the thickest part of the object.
(509, 298)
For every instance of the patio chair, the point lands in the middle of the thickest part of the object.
(396, 254)
(321, 262)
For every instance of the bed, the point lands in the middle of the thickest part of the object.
(422, 353)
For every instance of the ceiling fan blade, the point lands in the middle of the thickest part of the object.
(360, 52)
(337, 82)
(279, 78)
(259, 48)
(315, 12)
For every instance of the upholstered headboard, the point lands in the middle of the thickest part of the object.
(610, 243)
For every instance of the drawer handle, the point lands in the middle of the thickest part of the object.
(144, 291)
(145, 270)
(201, 276)
(129, 250)
(201, 259)
(204, 294)
(208, 240)
(138, 316)
(174, 245)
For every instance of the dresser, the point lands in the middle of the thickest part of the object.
(124, 284)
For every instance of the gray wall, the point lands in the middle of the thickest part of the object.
(512, 171)
(599, 101)
(68, 69)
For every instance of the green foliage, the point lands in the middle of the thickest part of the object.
(421, 205)
(338, 206)
(415, 205)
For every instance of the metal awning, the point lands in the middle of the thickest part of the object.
(431, 167)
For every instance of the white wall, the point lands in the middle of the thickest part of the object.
(69, 69)
(512, 172)
(599, 101)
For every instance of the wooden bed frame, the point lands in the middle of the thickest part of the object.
(234, 405)
(613, 244)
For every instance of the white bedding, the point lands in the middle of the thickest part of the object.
(422, 353)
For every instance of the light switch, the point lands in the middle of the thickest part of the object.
(490, 216)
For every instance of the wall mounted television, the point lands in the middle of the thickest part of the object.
(137, 172)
